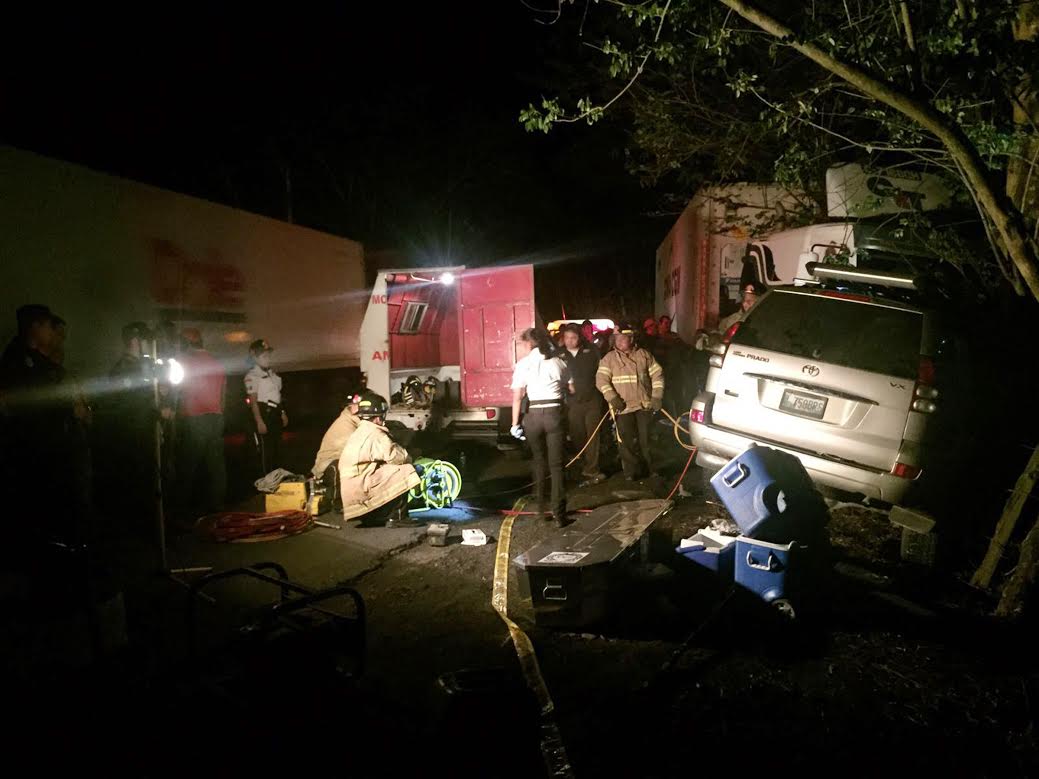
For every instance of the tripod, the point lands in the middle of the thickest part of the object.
(160, 507)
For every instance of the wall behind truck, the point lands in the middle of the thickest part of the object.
(104, 251)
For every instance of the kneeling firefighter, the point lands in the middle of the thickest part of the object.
(326, 463)
(376, 473)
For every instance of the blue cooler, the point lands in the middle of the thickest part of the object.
(765, 568)
(713, 551)
(768, 492)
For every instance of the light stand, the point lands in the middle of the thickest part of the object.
(160, 509)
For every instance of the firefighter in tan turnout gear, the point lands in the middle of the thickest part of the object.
(375, 472)
(632, 382)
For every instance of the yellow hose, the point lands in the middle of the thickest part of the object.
(675, 426)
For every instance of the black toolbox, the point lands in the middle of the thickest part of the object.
(570, 575)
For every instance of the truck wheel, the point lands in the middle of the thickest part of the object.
(784, 607)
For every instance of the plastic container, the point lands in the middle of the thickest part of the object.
(437, 533)
(712, 550)
(769, 494)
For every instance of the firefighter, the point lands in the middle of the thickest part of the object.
(263, 388)
(749, 296)
(326, 464)
(544, 379)
(375, 473)
(632, 382)
(126, 432)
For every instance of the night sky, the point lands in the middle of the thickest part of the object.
(391, 125)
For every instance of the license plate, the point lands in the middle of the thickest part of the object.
(803, 404)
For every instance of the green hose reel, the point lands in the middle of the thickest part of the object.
(440, 486)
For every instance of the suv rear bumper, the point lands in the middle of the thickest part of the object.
(716, 446)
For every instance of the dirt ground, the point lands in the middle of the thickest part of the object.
(873, 681)
(891, 669)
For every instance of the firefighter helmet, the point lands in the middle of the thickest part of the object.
(371, 406)
(411, 391)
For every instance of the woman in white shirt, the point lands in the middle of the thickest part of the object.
(544, 379)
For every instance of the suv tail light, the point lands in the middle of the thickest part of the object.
(731, 332)
(903, 471)
(696, 415)
(924, 392)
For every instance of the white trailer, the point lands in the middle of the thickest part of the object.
(102, 251)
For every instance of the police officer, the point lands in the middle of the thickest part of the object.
(263, 388)
(38, 451)
(544, 379)
(585, 406)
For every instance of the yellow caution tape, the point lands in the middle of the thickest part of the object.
(552, 748)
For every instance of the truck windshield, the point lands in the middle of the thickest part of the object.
(840, 332)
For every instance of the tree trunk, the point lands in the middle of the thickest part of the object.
(1017, 241)
(1015, 591)
(982, 577)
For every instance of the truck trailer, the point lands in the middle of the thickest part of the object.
(730, 235)
(104, 251)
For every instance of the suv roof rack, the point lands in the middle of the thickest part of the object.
(849, 273)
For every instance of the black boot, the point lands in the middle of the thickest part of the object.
(399, 516)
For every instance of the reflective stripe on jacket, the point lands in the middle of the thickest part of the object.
(636, 377)
(373, 470)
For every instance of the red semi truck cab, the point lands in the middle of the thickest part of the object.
(456, 326)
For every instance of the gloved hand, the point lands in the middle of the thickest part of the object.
(617, 404)
(517, 433)
(419, 469)
(656, 404)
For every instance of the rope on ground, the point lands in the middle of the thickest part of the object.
(552, 749)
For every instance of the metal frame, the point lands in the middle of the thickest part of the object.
(285, 607)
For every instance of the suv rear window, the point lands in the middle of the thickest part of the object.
(840, 332)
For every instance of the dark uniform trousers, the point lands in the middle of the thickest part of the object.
(582, 417)
(633, 428)
(545, 434)
(202, 448)
(268, 446)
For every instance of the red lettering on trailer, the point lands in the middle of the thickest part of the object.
(383, 355)
(377, 299)
(179, 279)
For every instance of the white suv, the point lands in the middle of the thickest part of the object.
(841, 374)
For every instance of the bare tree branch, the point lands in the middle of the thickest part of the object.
(638, 72)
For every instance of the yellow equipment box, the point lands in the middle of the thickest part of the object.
(320, 504)
(291, 496)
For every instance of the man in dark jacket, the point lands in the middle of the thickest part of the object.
(585, 407)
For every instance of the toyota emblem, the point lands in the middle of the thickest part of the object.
(811, 370)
